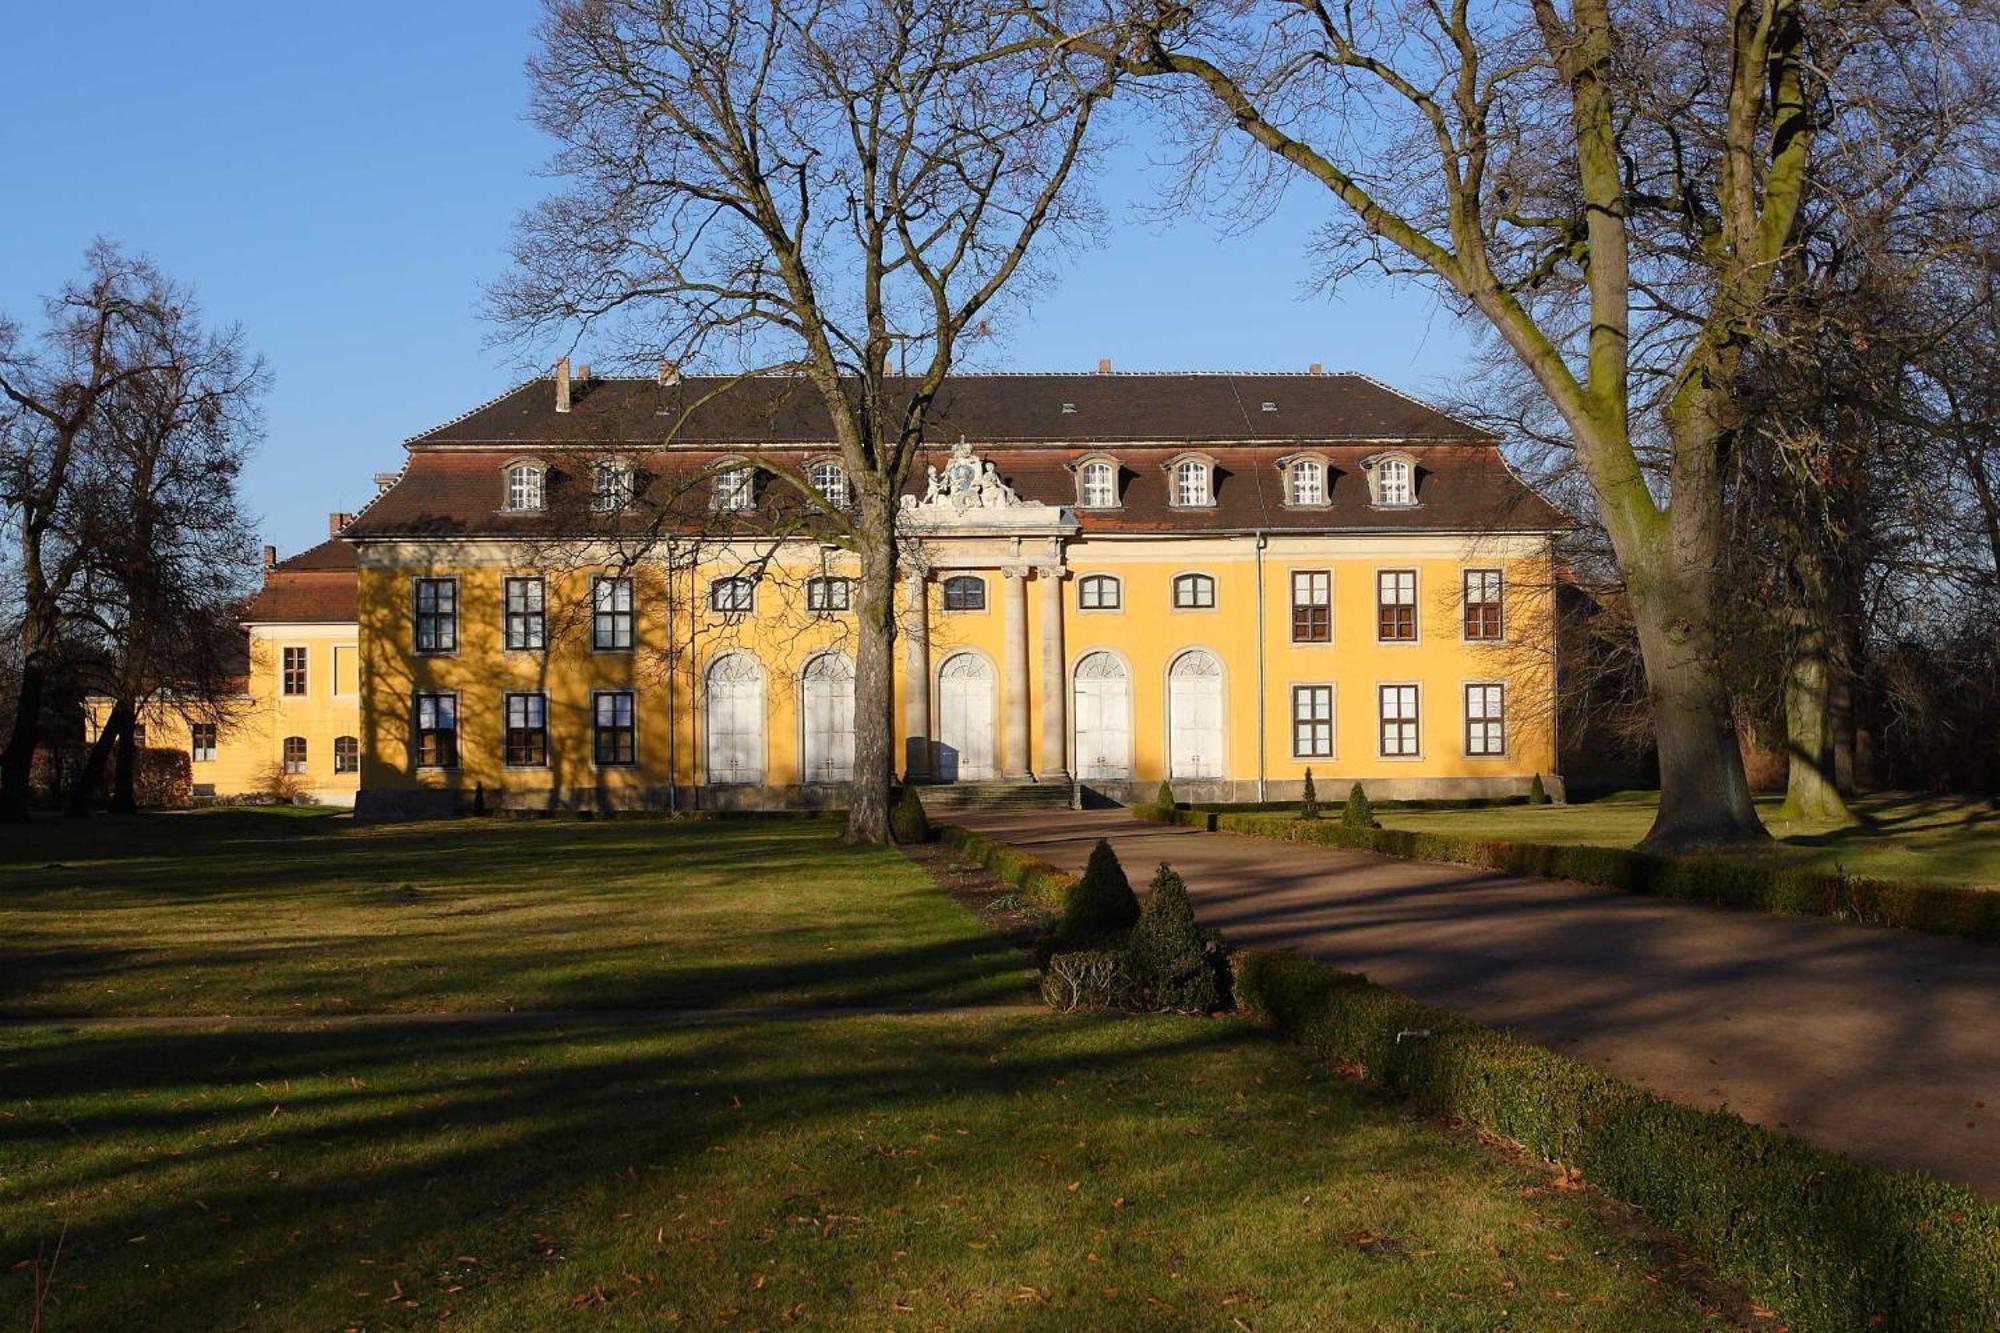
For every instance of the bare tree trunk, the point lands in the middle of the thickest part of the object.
(18, 760)
(1812, 791)
(874, 664)
(83, 789)
(124, 794)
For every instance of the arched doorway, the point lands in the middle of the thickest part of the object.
(735, 720)
(1102, 714)
(1194, 716)
(965, 719)
(827, 710)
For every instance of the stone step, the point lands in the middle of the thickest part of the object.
(995, 796)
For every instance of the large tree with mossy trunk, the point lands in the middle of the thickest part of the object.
(840, 191)
(1611, 188)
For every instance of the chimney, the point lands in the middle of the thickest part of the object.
(384, 480)
(270, 557)
(1104, 365)
(336, 522)
(562, 385)
(583, 371)
(670, 374)
(1317, 369)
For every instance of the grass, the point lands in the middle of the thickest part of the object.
(972, 1170)
(251, 912)
(1940, 839)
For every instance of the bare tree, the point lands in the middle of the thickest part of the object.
(843, 191)
(1611, 188)
(102, 332)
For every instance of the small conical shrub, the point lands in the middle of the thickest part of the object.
(1309, 801)
(1173, 958)
(1164, 797)
(1537, 793)
(479, 798)
(1359, 813)
(1102, 901)
(907, 821)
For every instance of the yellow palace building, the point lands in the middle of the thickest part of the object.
(613, 593)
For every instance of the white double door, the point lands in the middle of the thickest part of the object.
(1194, 716)
(965, 720)
(828, 708)
(1101, 710)
(735, 720)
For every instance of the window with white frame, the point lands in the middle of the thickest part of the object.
(437, 731)
(1394, 484)
(526, 744)
(524, 486)
(1194, 592)
(829, 594)
(611, 616)
(734, 595)
(1097, 485)
(1098, 592)
(437, 615)
(964, 592)
(526, 619)
(1312, 721)
(610, 487)
(1192, 484)
(830, 480)
(1486, 719)
(735, 489)
(1398, 708)
(1306, 482)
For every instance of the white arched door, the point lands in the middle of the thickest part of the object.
(965, 719)
(1194, 716)
(735, 720)
(828, 708)
(1103, 718)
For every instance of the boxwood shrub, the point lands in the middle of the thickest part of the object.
(1825, 1241)
(1941, 909)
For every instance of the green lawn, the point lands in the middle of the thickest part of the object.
(1952, 840)
(992, 1170)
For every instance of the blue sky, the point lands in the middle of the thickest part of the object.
(342, 180)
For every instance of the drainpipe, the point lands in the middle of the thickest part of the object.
(1262, 794)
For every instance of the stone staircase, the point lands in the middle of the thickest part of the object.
(995, 796)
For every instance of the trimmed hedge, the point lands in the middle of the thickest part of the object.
(1941, 909)
(1031, 875)
(1825, 1241)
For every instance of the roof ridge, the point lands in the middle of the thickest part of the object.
(987, 374)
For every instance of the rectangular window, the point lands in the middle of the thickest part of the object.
(527, 621)
(437, 731)
(346, 675)
(829, 594)
(437, 615)
(346, 754)
(965, 593)
(1396, 605)
(1312, 606)
(527, 730)
(1098, 592)
(611, 614)
(616, 734)
(1399, 721)
(733, 596)
(1482, 603)
(1486, 719)
(294, 671)
(295, 754)
(1312, 721)
(201, 742)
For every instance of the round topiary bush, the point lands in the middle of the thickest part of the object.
(1177, 962)
(907, 820)
(1102, 901)
(1359, 812)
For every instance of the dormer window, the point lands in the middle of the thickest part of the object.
(1392, 480)
(524, 487)
(830, 480)
(610, 487)
(1305, 481)
(735, 489)
(1193, 477)
(1097, 484)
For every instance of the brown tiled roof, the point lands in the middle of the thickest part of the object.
(773, 409)
(316, 586)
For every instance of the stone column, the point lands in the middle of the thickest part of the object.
(917, 682)
(1055, 696)
(1014, 679)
